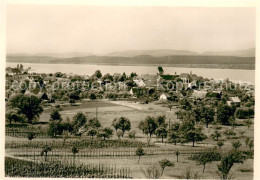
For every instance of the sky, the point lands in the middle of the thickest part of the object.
(105, 29)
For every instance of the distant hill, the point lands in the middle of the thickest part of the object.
(170, 52)
(243, 59)
(151, 52)
(138, 60)
(239, 53)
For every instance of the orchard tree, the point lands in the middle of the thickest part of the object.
(247, 141)
(229, 133)
(190, 133)
(236, 144)
(55, 115)
(165, 163)
(28, 105)
(161, 132)
(45, 150)
(124, 124)
(149, 125)
(79, 120)
(105, 133)
(207, 114)
(116, 124)
(131, 134)
(216, 135)
(220, 144)
(31, 135)
(93, 123)
(119, 133)
(251, 145)
(248, 123)
(206, 157)
(14, 115)
(92, 132)
(224, 112)
(55, 129)
(139, 152)
(227, 162)
(74, 150)
(232, 121)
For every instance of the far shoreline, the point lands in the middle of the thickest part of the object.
(205, 66)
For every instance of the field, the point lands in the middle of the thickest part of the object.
(123, 154)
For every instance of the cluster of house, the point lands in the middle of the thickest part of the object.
(164, 84)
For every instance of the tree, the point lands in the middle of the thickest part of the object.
(224, 112)
(97, 74)
(251, 144)
(177, 154)
(79, 120)
(139, 152)
(161, 131)
(93, 123)
(119, 133)
(55, 129)
(92, 132)
(149, 125)
(232, 121)
(229, 133)
(216, 135)
(45, 150)
(247, 141)
(242, 133)
(55, 116)
(236, 144)
(160, 120)
(165, 163)
(248, 123)
(206, 157)
(31, 135)
(116, 124)
(13, 115)
(74, 150)
(124, 124)
(92, 96)
(227, 162)
(190, 133)
(65, 136)
(174, 137)
(131, 134)
(153, 171)
(105, 133)
(220, 144)
(185, 104)
(30, 106)
(72, 102)
(188, 174)
(207, 115)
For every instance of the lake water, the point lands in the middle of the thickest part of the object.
(88, 69)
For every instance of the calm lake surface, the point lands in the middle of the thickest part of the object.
(88, 69)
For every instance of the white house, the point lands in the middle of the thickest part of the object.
(165, 97)
(140, 82)
(234, 100)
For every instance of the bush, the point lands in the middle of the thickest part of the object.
(244, 113)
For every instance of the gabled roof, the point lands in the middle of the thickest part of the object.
(199, 94)
(235, 99)
(184, 75)
(166, 94)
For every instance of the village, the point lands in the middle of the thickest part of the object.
(62, 87)
(82, 118)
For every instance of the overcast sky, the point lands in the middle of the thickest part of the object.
(93, 29)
